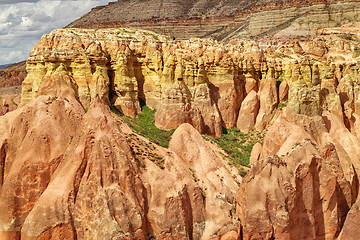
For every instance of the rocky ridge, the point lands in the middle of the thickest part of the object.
(304, 182)
(60, 180)
(11, 78)
(224, 20)
(201, 82)
(13, 75)
(66, 158)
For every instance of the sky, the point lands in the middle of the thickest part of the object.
(23, 22)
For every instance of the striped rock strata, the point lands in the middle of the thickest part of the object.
(224, 20)
(201, 82)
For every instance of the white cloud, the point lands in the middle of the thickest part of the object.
(13, 55)
(16, 1)
(23, 22)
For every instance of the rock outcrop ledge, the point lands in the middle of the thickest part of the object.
(198, 81)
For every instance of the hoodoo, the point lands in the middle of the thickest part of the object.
(126, 133)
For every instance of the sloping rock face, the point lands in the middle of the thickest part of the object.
(67, 174)
(224, 20)
(10, 98)
(248, 112)
(201, 82)
(193, 82)
(67, 165)
(13, 75)
(11, 78)
(210, 170)
(305, 182)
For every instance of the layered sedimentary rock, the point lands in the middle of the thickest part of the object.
(307, 167)
(191, 81)
(224, 20)
(67, 165)
(13, 75)
(67, 174)
(201, 82)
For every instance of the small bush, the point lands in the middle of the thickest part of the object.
(242, 172)
(236, 145)
(144, 124)
(281, 105)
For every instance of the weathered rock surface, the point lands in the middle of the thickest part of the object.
(13, 75)
(248, 112)
(64, 171)
(11, 78)
(209, 169)
(67, 174)
(193, 81)
(283, 91)
(201, 82)
(268, 96)
(9, 99)
(224, 20)
(305, 183)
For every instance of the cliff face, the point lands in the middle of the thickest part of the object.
(67, 174)
(11, 78)
(305, 182)
(224, 20)
(200, 82)
(191, 81)
(13, 75)
(70, 170)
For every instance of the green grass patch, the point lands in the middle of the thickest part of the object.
(237, 146)
(281, 77)
(129, 32)
(281, 105)
(153, 35)
(281, 55)
(144, 124)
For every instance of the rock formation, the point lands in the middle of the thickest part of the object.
(11, 78)
(9, 99)
(224, 20)
(193, 82)
(67, 174)
(13, 75)
(304, 184)
(304, 181)
(68, 165)
(201, 82)
(248, 112)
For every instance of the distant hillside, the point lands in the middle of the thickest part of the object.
(4, 66)
(224, 19)
(13, 75)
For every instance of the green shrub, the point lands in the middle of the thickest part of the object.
(143, 124)
(236, 145)
(281, 105)
(242, 172)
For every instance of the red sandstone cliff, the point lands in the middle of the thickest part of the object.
(70, 169)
